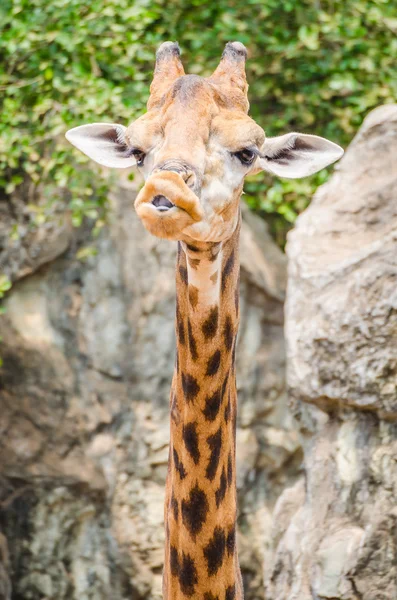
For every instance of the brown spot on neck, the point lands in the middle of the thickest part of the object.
(193, 296)
(194, 262)
(214, 277)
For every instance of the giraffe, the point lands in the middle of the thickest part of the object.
(194, 146)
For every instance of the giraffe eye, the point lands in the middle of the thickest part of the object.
(245, 156)
(139, 156)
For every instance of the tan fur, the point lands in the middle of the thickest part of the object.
(173, 187)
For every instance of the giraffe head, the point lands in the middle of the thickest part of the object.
(195, 145)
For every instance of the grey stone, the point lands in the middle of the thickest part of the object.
(336, 537)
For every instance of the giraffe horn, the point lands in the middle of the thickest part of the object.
(231, 69)
(168, 68)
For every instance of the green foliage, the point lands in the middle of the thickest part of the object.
(5, 285)
(316, 67)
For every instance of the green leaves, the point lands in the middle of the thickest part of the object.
(309, 36)
(5, 285)
(317, 67)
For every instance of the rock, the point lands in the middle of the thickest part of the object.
(23, 248)
(336, 540)
(335, 558)
(246, 455)
(5, 583)
(342, 307)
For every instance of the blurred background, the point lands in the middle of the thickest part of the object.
(86, 323)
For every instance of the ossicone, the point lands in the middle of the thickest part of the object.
(231, 70)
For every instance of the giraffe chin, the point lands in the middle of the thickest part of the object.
(185, 207)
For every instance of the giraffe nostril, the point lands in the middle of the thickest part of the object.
(189, 178)
(162, 203)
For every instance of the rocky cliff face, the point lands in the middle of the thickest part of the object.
(337, 528)
(88, 350)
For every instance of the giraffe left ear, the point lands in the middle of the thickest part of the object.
(297, 155)
(104, 143)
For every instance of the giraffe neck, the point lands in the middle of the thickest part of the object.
(200, 510)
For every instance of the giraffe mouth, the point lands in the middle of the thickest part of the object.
(162, 203)
(165, 191)
(166, 205)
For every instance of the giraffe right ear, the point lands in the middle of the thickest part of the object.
(104, 143)
(296, 155)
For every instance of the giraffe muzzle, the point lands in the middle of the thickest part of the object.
(166, 204)
(165, 190)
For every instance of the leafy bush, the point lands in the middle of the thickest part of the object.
(5, 285)
(315, 66)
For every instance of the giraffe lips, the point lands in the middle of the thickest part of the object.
(167, 206)
(162, 203)
(164, 191)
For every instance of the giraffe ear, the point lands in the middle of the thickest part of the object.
(104, 143)
(297, 155)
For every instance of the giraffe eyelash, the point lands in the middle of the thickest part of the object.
(127, 151)
(242, 155)
(137, 153)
